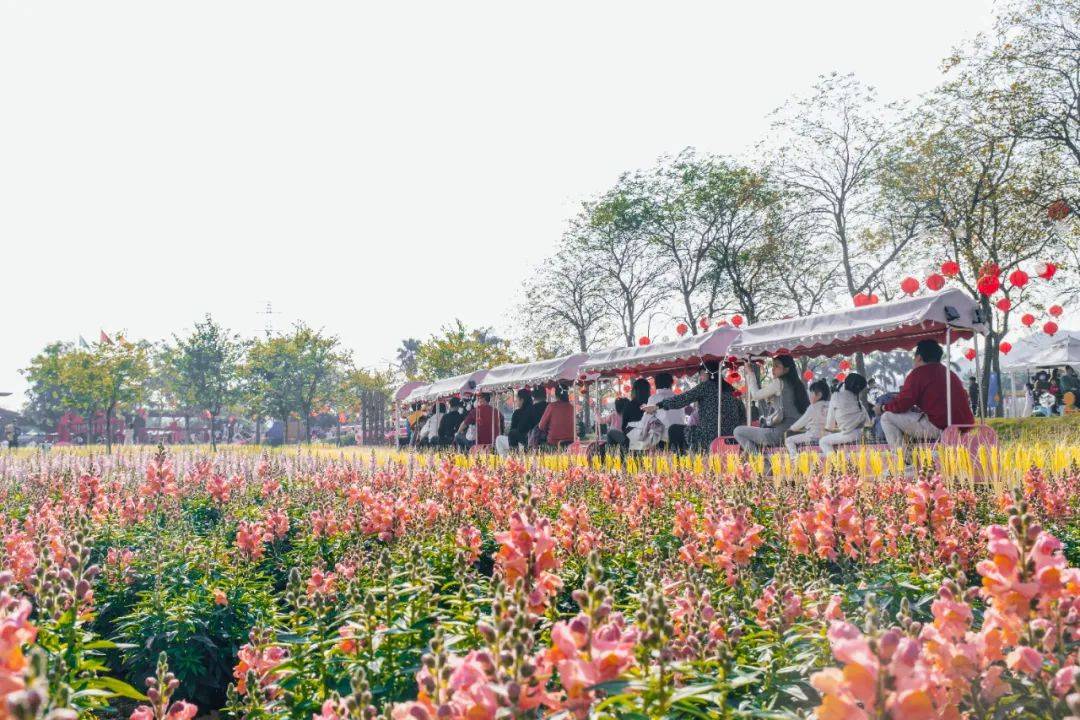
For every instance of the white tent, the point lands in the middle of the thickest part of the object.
(405, 390)
(416, 394)
(542, 372)
(1040, 350)
(885, 326)
(448, 387)
(682, 354)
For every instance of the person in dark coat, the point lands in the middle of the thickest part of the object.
(521, 420)
(731, 412)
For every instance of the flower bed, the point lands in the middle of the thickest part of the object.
(305, 585)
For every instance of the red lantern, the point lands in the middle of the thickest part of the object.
(808, 375)
(1004, 304)
(1028, 319)
(1018, 278)
(861, 299)
(990, 268)
(1005, 347)
(206, 414)
(643, 340)
(734, 378)
(1058, 210)
(950, 268)
(840, 376)
(988, 285)
(970, 353)
(845, 365)
(1045, 270)
(737, 320)
(341, 417)
(935, 282)
(703, 323)
(874, 299)
(1050, 327)
(682, 329)
(909, 285)
(1055, 310)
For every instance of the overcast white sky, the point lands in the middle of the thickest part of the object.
(376, 169)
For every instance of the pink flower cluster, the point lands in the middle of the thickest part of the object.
(1027, 642)
(726, 539)
(527, 552)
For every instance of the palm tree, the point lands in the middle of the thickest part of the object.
(406, 355)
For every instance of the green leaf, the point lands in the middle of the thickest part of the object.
(118, 688)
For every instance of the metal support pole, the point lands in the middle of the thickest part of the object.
(948, 375)
(979, 392)
(719, 401)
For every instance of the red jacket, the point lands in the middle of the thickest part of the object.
(924, 388)
(487, 417)
(558, 422)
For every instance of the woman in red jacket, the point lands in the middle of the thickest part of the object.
(558, 420)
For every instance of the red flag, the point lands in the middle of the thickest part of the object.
(104, 338)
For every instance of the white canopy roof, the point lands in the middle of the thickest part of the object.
(449, 387)
(404, 391)
(416, 394)
(885, 326)
(682, 354)
(1043, 351)
(542, 372)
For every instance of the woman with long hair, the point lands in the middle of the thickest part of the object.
(632, 412)
(711, 407)
(786, 398)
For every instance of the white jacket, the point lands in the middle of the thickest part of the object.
(668, 417)
(772, 391)
(813, 420)
(846, 413)
(430, 430)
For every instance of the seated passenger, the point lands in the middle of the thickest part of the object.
(632, 412)
(521, 420)
(847, 416)
(674, 420)
(449, 423)
(787, 398)
(488, 422)
(920, 410)
(557, 424)
(810, 428)
(709, 405)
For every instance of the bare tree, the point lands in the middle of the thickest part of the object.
(563, 301)
(609, 238)
(831, 146)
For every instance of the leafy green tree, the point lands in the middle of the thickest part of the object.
(458, 350)
(292, 375)
(105, 378)
(985, 192)
(206, 367)
(46, 397)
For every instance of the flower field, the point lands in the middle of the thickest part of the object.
(294, 584)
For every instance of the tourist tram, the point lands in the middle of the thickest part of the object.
(946, 317)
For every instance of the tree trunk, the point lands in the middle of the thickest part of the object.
(213, 438)
(307, 428)
(108, 430)
(339, 431)
(258, 429)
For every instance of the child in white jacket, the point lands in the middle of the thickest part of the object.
(846, 417)
(810, 426)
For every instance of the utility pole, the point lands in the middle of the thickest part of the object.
(269, 314)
